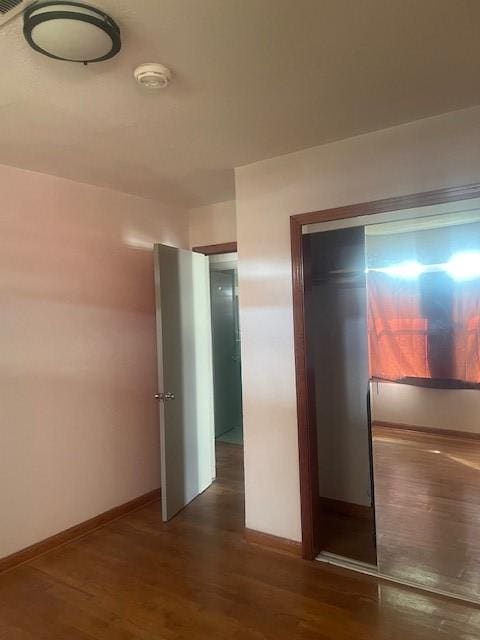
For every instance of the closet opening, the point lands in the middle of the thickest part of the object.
(387, 333)
(336, 342)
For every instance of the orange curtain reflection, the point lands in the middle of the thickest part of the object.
(404, 339)
(467, 331)
(397, 331)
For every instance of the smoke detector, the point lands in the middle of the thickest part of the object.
(153, 75)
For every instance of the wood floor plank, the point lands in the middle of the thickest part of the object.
(196, 578)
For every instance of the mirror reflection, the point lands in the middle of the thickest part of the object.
(392, 309)
(423, 297)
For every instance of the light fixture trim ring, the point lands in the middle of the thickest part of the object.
(103, 22)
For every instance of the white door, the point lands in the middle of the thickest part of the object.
(185, 377)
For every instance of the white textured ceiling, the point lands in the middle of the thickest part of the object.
(253, 79)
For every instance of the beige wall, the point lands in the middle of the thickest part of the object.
(427, 154)
(213, 224)
(78, 424)
(452, 409)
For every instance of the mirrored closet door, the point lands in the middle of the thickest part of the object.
(423, 291)
(392, 332)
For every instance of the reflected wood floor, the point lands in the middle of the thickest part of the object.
(427, 495)
(196, 578)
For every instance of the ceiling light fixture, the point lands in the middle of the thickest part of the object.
(71, 31)
(152, 75)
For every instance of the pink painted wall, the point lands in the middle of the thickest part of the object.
(213, 224)
(78, 423)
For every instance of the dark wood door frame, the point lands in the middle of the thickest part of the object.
(307, 431)
(216, 249)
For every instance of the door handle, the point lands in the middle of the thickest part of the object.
(165, 396)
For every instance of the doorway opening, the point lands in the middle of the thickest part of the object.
(199, 378)
(336, 338)
(227, 381)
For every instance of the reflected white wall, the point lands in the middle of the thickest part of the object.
(451, 409)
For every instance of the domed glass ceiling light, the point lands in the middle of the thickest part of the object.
(71, 31)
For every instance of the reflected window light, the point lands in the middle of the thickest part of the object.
(464, 265)
(409, 269)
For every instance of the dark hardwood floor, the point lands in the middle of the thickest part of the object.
(348, 536)
(196, 578)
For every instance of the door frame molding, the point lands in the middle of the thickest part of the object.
(307, 431)
(216, 249)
